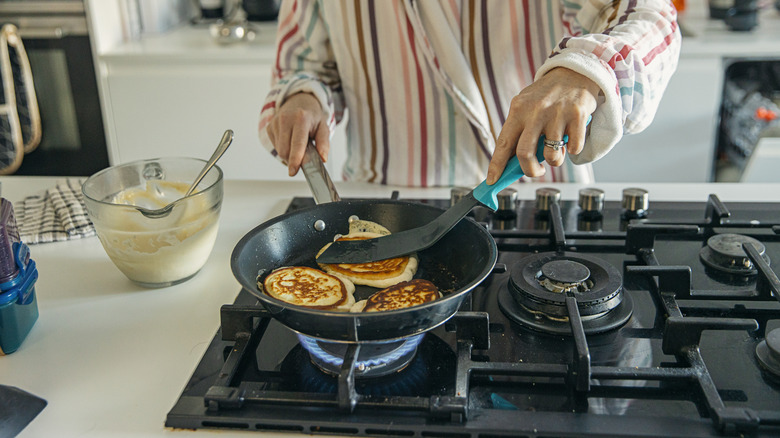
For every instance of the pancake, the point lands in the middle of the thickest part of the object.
(362, 226)
(399, 296)
(309, 287)
(379, 274)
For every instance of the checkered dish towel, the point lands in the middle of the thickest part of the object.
(54, 215)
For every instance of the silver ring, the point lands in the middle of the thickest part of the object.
(555, 145)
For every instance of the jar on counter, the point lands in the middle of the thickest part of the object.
(720, 8)
(18, 304)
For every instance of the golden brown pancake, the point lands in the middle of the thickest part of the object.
(309, 287)
(399, 296)
(379, 274)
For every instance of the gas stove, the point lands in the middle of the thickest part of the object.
(601, 318)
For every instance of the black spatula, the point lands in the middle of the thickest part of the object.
(417, 239)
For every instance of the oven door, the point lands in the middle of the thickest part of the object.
(57, 42)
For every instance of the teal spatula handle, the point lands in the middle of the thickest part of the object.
(486, 194)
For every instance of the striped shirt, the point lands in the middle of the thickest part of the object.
(428, 83)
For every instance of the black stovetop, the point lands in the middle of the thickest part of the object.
(676, 357)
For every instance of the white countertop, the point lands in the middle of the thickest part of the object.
(111, 358)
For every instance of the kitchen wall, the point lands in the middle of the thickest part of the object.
(174, 92)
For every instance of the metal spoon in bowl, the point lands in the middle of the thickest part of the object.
(227, 138)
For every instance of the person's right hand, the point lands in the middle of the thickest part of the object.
(299, 118)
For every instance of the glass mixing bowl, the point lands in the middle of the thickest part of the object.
(155, 250)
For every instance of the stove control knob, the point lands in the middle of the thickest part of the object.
(545, 197)
(635, 202)
(457, 193)
(591, 201)
(507, 199)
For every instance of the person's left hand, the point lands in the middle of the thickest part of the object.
(557, 104)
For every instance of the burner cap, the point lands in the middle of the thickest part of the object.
(565, 276)
(565, 271)
(768, 355)
(724, 253)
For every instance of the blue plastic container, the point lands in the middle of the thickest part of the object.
(18, 305)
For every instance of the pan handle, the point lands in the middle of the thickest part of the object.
(317, 176)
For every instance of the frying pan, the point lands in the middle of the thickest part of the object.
(455, 264)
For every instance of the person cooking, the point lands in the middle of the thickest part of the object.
(445, 92)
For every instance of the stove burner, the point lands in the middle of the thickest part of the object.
(536, 293)
(560, 326)
(768, 355)
(430, 372)
(565, 276)
(375, 359)
(724, 253)
(530, 273)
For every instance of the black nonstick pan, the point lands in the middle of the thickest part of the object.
(456, 263)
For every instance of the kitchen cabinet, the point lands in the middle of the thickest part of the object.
(679, 145)
(175, 93)
(183, 108)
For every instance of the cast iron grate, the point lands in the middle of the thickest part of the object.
(684, 315)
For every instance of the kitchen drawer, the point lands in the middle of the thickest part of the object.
(182, 108)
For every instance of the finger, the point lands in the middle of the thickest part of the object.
(322, 141)
(298, 142)
(506, 146)
(577, 130)
(282, 143)
(554, 155)
(498, 162)
(526, 152)
(271, 135)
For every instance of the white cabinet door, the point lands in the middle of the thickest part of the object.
(679, 146)
(183, 108)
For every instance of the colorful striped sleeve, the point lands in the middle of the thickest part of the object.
(304, 64)
(630, 51)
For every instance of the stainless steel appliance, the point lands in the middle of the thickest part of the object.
(56, 37)
(602, 318)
